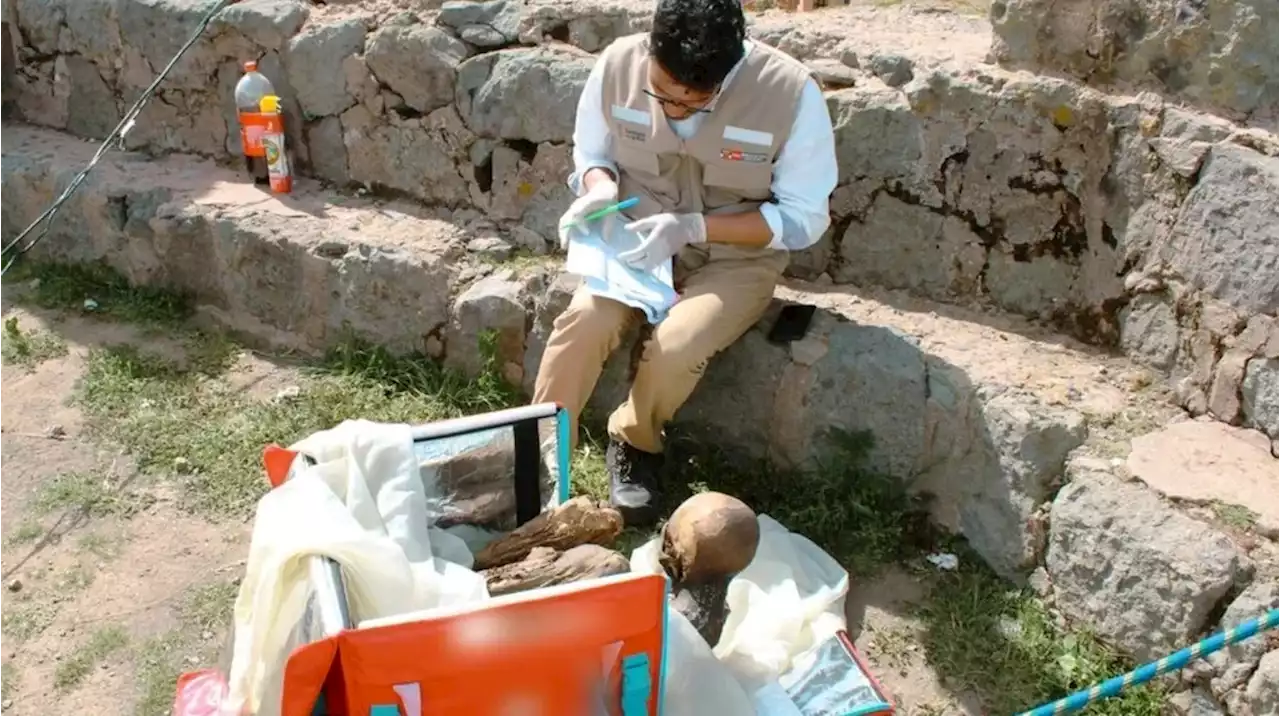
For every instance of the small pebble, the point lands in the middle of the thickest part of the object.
(90, 304)
(15, 585)
(55, 432)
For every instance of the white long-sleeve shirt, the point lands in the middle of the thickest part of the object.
(804, 172)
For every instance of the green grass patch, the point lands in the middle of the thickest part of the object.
(99, 290)
(73, 670)
(88, 493)
(25, 618)
(27, 349)
(864, 519)
(98, 545)
(27, 532)
(177, 418)
(160, 661)
(982, 634)
(75, 579)
(1237, 516)
(10, 678)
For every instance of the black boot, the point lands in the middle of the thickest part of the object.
(635, 483)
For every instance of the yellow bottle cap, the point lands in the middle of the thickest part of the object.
(269, 103)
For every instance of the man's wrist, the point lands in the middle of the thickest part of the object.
(595, 175)
(699, 229)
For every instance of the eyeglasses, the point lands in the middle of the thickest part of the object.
(677, 104)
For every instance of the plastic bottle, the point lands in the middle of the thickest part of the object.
(280, 177)
(250, 90)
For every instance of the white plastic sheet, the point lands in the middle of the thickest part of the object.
(362, 505)
(787, 600)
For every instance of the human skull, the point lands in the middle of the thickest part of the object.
(709, 539)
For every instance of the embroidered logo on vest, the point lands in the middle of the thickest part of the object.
(737, 155)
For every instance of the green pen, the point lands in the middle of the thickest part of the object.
(601, 213)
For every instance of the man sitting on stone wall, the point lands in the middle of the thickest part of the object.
(728, 145)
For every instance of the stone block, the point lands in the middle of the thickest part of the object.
(1145, 575)
(1219, 54)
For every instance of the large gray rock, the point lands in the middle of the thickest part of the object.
(530, 95)
(590, 26)
(419, 157)
(296, 276)
(268, 23)
(314, 62)
(882, 250)
(1028, 443)
(1217, 53)
(1145, 576)
(1149, 331)
(1224, 241)
(489, 24)
(1235, 664)
(533, 192)
(97, 109)
(1194, 702)
(419, 63)
(490, 316)
(1259, 392)
(1262, 688)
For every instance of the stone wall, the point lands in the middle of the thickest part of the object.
(1217, 54)
(1124, 221)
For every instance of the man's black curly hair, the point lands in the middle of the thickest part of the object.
(698, 41)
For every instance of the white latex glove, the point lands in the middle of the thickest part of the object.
(603, 193)
(661, 237)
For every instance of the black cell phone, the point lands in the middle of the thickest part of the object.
(793, 322)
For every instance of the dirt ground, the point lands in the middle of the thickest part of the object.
(95, 598)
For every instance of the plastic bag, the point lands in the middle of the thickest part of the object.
(787, 600)
(697, 683)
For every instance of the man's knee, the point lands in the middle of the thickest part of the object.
(677, 352)
(592, 320)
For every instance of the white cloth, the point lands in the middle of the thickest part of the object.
(362, 505)
(805, 172)
(788, 599)
(604, 274)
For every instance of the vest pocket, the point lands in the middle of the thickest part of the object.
(636, 159)
(755, 179)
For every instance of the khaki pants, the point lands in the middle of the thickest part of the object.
(722, 294)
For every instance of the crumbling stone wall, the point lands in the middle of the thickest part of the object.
(1220, 55)
(958, 185)
(1124, 220)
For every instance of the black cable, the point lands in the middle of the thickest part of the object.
(117, 135)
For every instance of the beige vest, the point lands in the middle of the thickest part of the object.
(728, 164)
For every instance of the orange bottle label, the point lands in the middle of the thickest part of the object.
(273, 147)
(252, 126)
